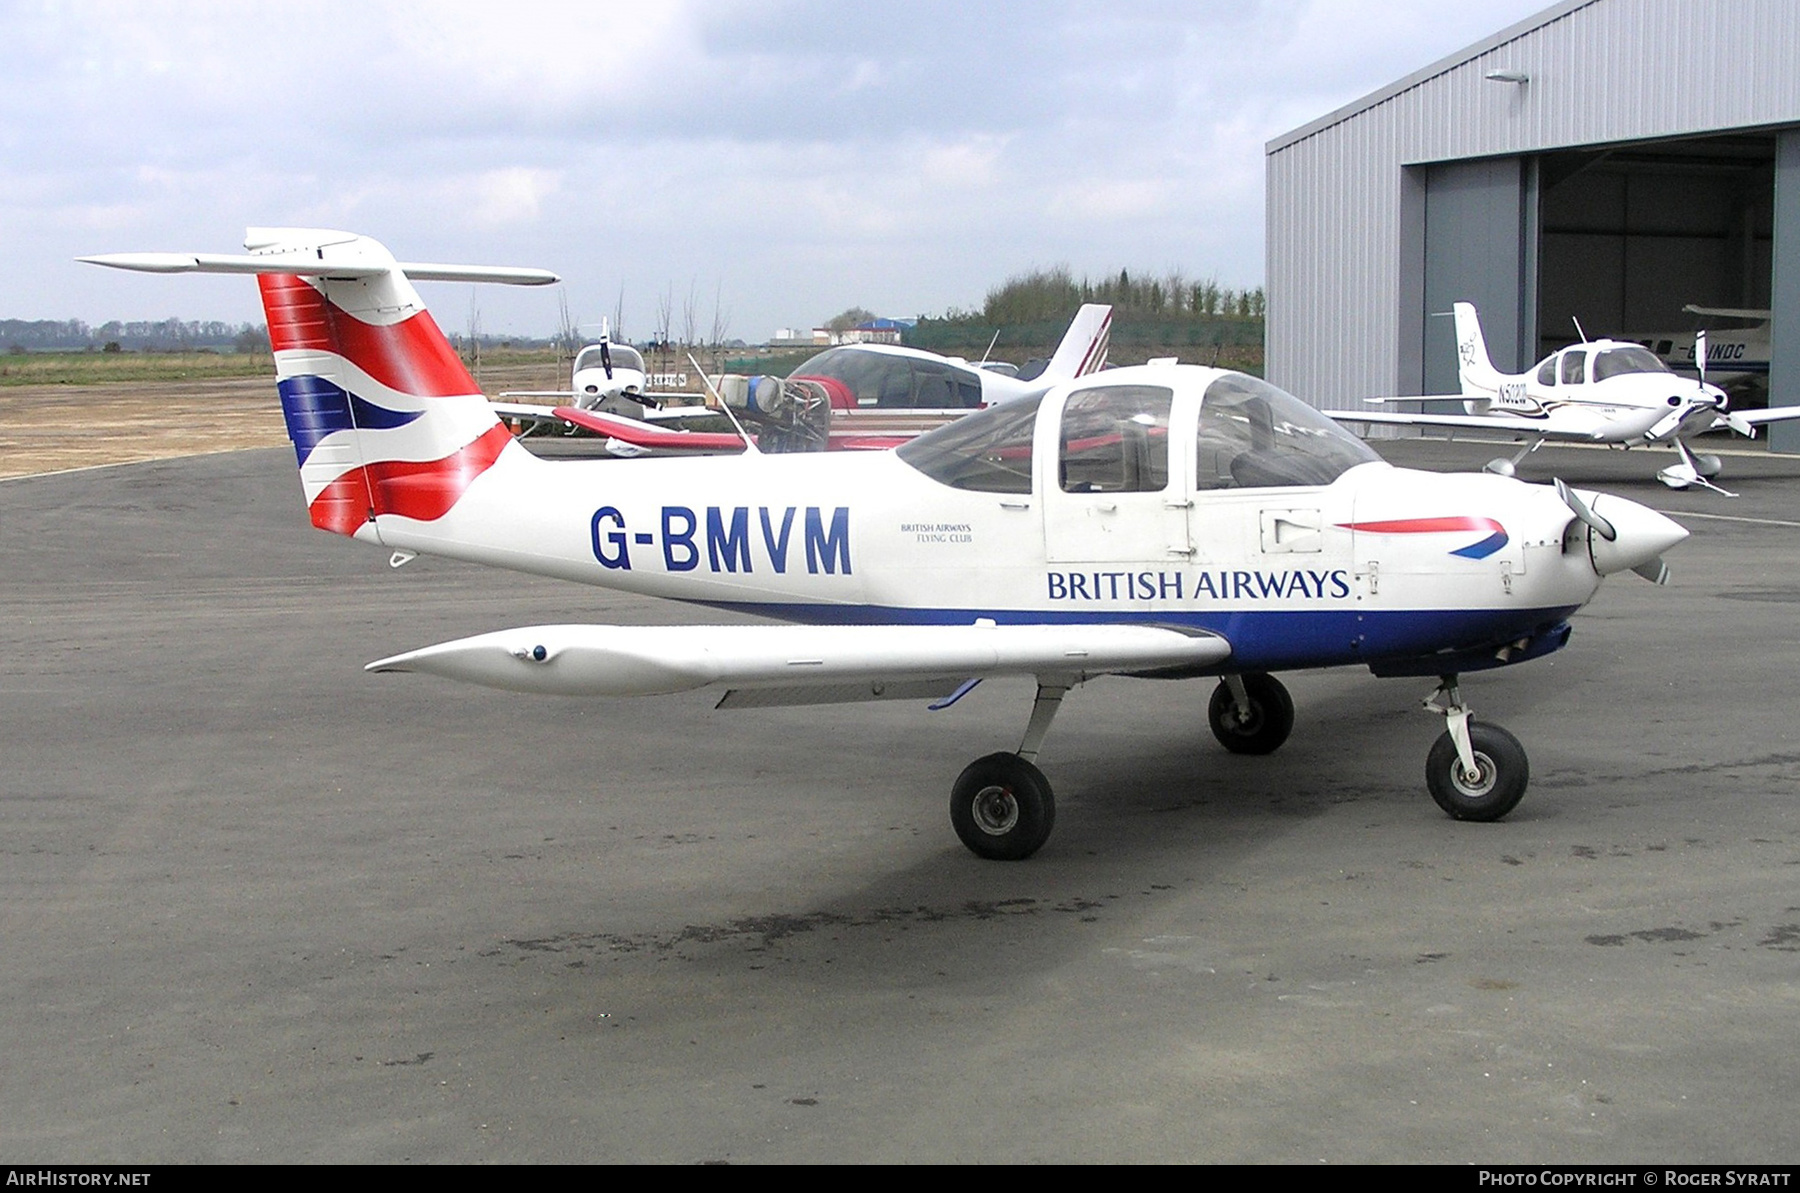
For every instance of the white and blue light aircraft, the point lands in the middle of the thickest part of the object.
(1161, 522)
(1612, 392)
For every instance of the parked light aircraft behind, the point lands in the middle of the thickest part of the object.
(853, 397)
(605, 376)
(1163, 522)
(1614, 392)
(1736, 358)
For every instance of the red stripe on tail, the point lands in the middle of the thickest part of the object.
(423, 490)
(411, 356)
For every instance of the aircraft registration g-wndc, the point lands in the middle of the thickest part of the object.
(1615, 392)
(1162, 521)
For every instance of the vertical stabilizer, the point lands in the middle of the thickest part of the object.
(1480, 379)
(1084, 345)
(385, 421)
(383, 415)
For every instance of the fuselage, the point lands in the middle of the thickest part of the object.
(1607, 391)
(1117, 498)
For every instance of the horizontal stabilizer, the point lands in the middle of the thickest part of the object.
(600, 660)
(315, 265)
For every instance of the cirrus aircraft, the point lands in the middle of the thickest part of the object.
(1612, 392)
(1162, 522)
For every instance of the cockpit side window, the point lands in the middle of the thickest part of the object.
(1547, 371)
(1572, 362)
(988, 451)
(1115, 439)
(1254, 435)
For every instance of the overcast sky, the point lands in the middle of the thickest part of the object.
(792, 159)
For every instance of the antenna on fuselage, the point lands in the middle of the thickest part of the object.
(1576, 320)
(749, 443)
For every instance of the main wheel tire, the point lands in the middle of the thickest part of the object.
(1502, 773)
(1270, 721)
(1002, 808)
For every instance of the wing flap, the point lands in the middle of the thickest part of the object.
(840, 693)
(600, 660)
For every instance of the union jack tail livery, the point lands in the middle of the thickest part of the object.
(384, 418)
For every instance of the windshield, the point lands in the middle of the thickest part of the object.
(987, 452)
(624, 356)
(1617, 361)
(893, 381)
(1253, 435)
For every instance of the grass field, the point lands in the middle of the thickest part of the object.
(105, 368)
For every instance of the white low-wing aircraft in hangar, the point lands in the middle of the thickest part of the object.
(1162, 522)
(1614, 392)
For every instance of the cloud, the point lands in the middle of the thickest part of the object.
(801, 156)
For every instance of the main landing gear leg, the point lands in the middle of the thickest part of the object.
(1001, 806)
(1251, 713)
(1474, 771)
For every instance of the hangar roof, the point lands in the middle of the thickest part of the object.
(1441, 66)
(1594, 72)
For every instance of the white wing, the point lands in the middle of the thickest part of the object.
(814, 664)
(1511, 424)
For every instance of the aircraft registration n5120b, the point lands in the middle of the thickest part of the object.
(1164, 522)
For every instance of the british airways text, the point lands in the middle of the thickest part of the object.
(1292, 584)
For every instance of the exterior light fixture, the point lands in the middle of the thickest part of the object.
(1508, 76)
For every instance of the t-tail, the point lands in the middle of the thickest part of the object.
(384, 418)
(1084, 345)
(1480, 379)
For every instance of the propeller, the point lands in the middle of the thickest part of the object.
(1633, 539)
(1736, 422)
(1587, 516)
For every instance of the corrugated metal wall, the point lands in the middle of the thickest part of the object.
(1600, 71)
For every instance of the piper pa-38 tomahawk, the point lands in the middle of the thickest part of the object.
(1163, 522)
(1614, 392)
(853, 397)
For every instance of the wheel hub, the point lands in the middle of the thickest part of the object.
(1480, 782)
(995, 811)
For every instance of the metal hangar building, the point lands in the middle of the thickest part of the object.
(1607, 160)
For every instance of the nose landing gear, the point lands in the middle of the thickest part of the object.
(1474, 771)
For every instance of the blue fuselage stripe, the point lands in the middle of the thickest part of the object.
(1261, 640)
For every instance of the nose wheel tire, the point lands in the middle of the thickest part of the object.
(1263, 726)
(1001, 807)
(1496, 786)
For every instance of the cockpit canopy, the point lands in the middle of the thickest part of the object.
(1580, 364)
(859, 378)
(624, 356)
(1116, 438)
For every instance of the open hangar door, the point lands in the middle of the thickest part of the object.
(1629, 236)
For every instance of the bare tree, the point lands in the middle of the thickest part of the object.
(690, 319)
(721, 323)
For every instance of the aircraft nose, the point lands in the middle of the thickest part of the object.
(1640, 534)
